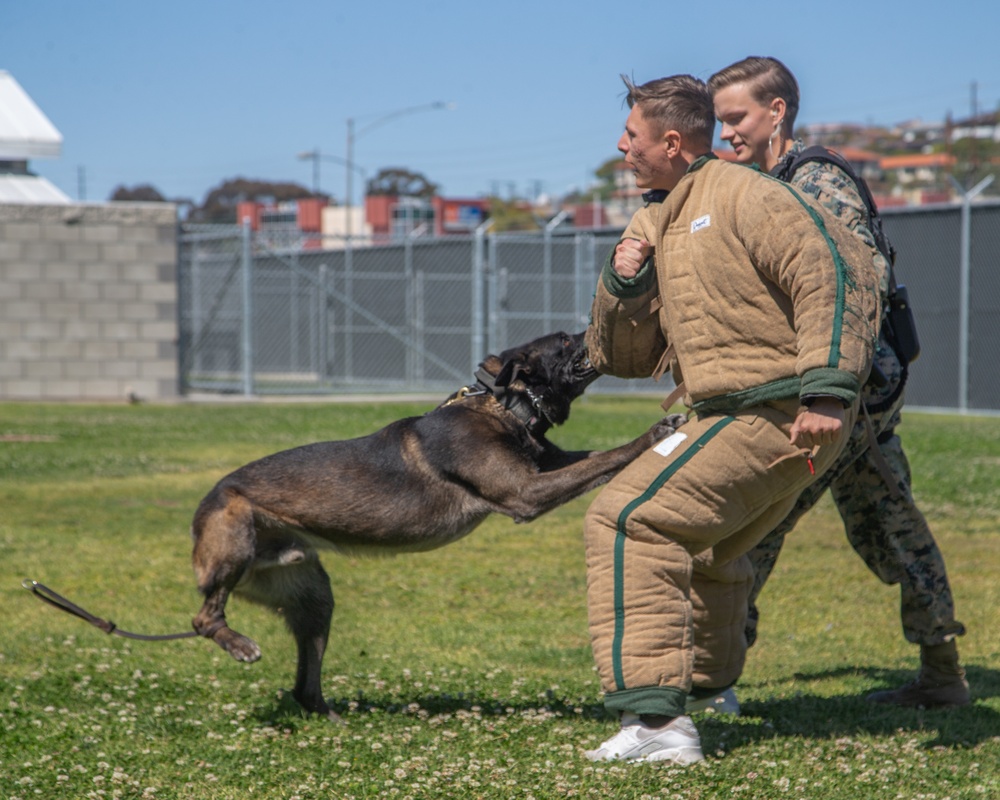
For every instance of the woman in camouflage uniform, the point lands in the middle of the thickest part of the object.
(756, 101)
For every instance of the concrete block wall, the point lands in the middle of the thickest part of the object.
(88, 301)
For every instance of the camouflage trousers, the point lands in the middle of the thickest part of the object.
(885, 528)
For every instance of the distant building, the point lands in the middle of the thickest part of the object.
(915, 134)
(599, 215)
(460, 215)
(837, 135)
(866, 163)
(309, 223)
(621, 204)
(393, 218)
(983, 126)
(339, 222)
(25, 133)
(282, 225)
(923, 168)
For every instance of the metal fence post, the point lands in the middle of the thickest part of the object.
(323, 323)
(547, 267)
(409, 304)
(494, 301)
(295, 313)
(195, 320)
(247, 270)
(584, 268)
(348, 309)
(964, 289)
(477, 340)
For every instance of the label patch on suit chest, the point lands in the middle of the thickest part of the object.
(701, 222)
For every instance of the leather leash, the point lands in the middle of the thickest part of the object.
(43, 592)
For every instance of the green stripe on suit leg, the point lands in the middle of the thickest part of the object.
(621, 537)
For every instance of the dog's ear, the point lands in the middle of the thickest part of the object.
(508, 373)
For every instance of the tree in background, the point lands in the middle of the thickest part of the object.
(143, 193)
(401, 182)
(974, 160)
(607, 175)
(219, 206)
(605, 187)
(512, 215)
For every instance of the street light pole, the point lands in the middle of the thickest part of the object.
(348, 197)
(315, 156)
(352, 135)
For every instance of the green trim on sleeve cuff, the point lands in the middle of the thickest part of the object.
(832, 383)
(624, 288)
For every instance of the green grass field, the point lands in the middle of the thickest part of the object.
(461, 673)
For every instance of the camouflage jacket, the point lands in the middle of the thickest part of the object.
(836, 192)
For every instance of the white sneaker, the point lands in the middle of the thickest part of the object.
(677, 741)
(722, 703)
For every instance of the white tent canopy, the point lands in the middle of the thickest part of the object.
(25, 132)
(30, 189)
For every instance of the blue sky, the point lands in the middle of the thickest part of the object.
(186, 94)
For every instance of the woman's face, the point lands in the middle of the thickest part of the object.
(747, 125)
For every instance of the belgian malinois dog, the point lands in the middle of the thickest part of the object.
(417, 484)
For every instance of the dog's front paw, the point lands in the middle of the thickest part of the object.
(237, 645)
(675, 420)
(667, 426)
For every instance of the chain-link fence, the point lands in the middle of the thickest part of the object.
(949, 259)
(418, 316)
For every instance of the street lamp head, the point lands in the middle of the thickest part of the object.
(353, 134)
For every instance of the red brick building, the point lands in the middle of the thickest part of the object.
(393, 217)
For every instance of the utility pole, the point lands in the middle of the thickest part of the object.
(314, 155)
(974, 125)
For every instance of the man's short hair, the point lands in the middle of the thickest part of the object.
(680, 102)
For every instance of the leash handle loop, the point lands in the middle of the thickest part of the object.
(44, 593)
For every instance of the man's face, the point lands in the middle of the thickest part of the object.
(645, 151)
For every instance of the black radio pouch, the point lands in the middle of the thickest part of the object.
(904, 328)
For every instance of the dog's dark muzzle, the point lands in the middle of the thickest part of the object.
(584, 373)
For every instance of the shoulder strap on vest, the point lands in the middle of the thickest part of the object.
(787, 169)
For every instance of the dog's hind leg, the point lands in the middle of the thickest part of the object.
(309, 620)
(224, 548)
(288, 578)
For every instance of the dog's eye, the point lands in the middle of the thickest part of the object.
(567, 343)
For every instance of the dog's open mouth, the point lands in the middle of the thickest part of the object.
(582, 367)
